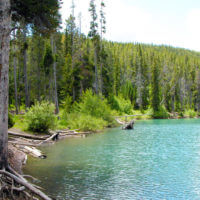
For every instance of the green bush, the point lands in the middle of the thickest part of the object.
(11, 121)
(161, 114)
(85, 122)
(120, 104)
(190, 113)
(67, 106)
(41, 117)
(94, 106)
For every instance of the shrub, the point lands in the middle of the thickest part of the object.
(41, 117)
(94, 106)
(67, 106)
(161, 114)
(85, 122)
(190, 113)
(11, 121)
(120, 104)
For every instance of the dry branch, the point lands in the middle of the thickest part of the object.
(25, 184)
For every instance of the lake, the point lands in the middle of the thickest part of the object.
(159, 159)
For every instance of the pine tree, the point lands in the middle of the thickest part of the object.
(155, 86)
(53, 46)
(102, 51)
(93, 34)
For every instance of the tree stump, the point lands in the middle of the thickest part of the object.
(129, 126)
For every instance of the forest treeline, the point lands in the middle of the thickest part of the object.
(66, 63)
(147, 75)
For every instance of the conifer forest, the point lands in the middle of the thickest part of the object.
(68, 62)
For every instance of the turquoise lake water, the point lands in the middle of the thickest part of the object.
(159, 159)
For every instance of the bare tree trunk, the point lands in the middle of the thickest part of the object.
(80, 50)
(173, 98)
(50, 88)
(73, 88)
(198, 91)
(73, 49)
(38, 82)
(81, 88)
(38, 73)
(101, 64)
(139, 87)
(15, 75)
(96, 71)
(53, 44)
(5, 20)
(25, 70)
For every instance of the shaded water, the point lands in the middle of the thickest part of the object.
(159, 159)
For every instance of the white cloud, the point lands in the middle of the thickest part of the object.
(192, 22)
(193, 29)
(129, 23)
(125, 22)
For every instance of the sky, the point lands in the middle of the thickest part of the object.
(170, 22)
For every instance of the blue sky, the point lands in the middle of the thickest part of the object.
(170, 22)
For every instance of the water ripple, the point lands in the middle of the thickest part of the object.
(159, 159)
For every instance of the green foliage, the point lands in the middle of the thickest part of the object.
(161, 113)
(93, 24)
(41, 117)
(67, 104)
(20, 122)
(92, 113)
(155, 91)
(11, 121)
(85, 122)
(190, 113)
(42, 15)
(48, 59)
(120, 104)
(143, 115)
(94, 105)
(145, 75)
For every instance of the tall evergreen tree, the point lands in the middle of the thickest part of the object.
(102, 52)
(93, 33)
(155, 86)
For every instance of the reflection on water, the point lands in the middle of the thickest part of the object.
(159, 159)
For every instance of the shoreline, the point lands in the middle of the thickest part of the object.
(18, 157)
(22, 144)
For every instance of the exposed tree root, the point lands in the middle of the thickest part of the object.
(15, 186)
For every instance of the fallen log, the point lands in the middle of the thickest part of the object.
(23, 143)
(118, 121)
(54, 137)
(28, 136)
(34, 152)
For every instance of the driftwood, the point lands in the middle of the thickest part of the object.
(53, 137)
(22, 143)
(118, 121)
(21, 181)
(33, 151)
(28, 136)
